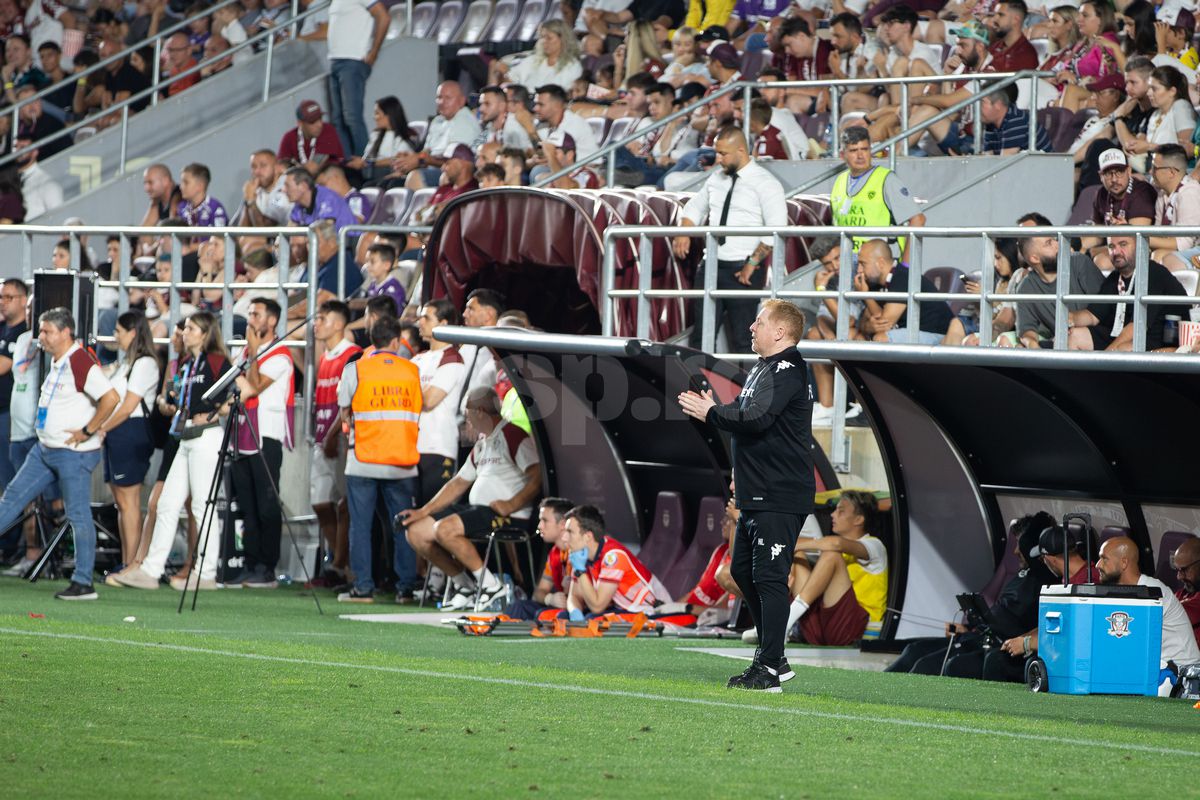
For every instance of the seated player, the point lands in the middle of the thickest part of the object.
(606, 576)
(1186, 563)
(850, 577)
(503, 475)
(550, 594)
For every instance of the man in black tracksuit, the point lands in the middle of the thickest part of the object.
(770, 423)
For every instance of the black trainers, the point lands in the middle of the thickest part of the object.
(261, 578)
(354, 596)
(738, 681)
(762, 679)
(78, 591)
(405, 597)
(785, 671)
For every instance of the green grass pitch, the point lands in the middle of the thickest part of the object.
(255, 695)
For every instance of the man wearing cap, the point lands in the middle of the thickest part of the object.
(723, 64)
(453, 124)
(1122, 201)
(1186, 563)
(311, 143)
(352, 53)
(1011, 51)
(1178, 204)
(311, 202)
(740, 193)
(458, 168)
(1175, 40)
(1108, 93)
(559, 150)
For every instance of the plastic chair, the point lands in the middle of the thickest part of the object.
(1081, 212)
(665, 543)
(420, 199)
(424, 15)
(504, 21)
(1166, 546)
(687, 570)
(1005, 570)
(419, 128)
(449, 21)
(532, 14)
(393, 205)
(1188, 278)
(943, 277)
(476, 22)
(599, 126)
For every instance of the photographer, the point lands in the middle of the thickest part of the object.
(1013, 613)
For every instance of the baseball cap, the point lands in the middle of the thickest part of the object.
(1111, 81)
(973, 29)
(459, 151)
(562, 140)
(309, 111)
(713, 33)
(725, 53)
(1186, 20)
(1113, 158)
(1051, 542)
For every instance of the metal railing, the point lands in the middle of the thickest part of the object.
(124, 107)
(996, 81)
(353, 232)
(32, 235)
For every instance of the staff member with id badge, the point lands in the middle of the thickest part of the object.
(74, 389)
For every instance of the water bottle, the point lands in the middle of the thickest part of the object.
(1171, 330)
(827, 137)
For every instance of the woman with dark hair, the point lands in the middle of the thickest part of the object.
(392, 135)
(128, 441)
(198, 430)
(62, 256)
(964, 328)
(1140, 39)
(1173, 118)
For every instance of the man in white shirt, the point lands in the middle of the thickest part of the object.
(352, 53)
(1178, 205)
(442, 375)
(75, 400)
(739, 193)
(504, 476)
(550, 110)
(265, 202)
(264, 429)
(906, 57)
(1118, 565)
(40, 191)
(454, 124)
(498, 124)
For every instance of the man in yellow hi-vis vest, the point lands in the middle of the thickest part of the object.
(869, 196)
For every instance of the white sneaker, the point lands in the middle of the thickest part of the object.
(822, 416)
(20, 569)
(750, 636)
(494, 599)
(461, 600)
(853, 410)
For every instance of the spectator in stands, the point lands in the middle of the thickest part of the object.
(382, 455)
(550, 593)
(265, 429)
(515, 166)
(50, 56)
(869, 195)
(458, 177)
(1138, 19)
(1006, 127)
(38, 126)
(606, 575)
(19, 68)
(1122, 201)
(1133, 117)
(1010, 50)
(197, 209)
(1173, 118)
(311, 202)
(179, 60)
(559, 151)
(1040, 254)
(490, 176)
(1173, 38)
(1178, 204)
(849, 578)
(828, 252)
(1062, 32)
(498, 124)
(1103, 326)
(40, 192)
(759, 202)
(550, 110)
(327, 471)
(128, 441)
(904, 56)
(213, 47)
(327, 273)
(1098, 53)
(78, 395)
(356, 32)
(118, 82)
(803, 56)
(381, 260)
(1107, 95)
(391, 135)
(1118, 565)
(454, 124)
(769, 142)
(265, 201)
(503, 475)
(443, 385)
(311, 143)
(333, 177)
(554, 59)
(886, 321)
(685, 66)
(13, 297)
(1186, 563)
(964, 328)
(226, 23)
(12, 205)
(164, 195)
(723, 63)
(852, 57)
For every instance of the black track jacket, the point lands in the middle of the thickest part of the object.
(771, 426)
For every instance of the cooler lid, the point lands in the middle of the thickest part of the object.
(1103, 590)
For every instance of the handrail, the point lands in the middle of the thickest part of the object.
(124, 106)
(156, 40)
(354, 230)
(746, 86)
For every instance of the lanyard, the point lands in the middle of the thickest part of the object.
(54, 386)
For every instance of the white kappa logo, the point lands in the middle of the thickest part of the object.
(1118, 624)
(783, 365)
(776, 549)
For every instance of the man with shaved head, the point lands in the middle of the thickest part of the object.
(1118, 566)
(453, 124)
(887, 321)
(1186, 563)
(164, 195)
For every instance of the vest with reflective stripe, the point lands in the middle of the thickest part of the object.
(866, 209)
(386, 407)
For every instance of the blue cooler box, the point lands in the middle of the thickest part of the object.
(1101, 639)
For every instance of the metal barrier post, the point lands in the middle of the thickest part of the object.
(835, 124)
(608, 276)
(156, 69)
(708, 313)
(230, 272)
(1033, 109)
(778, 263)
(125, 253)
(915, 271)
(1141, 273)
(746, 117)
(903, 121)
(267, 64)
(1062, 286)
(978, 126)
(987, 285)
(124, 139)
(645, 283)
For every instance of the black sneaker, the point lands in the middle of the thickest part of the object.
(405, 597)
(738, 681)
(785, 671)
(261, 578)
(354, 596)
(78, 591)
(763, 679)
(233, 579)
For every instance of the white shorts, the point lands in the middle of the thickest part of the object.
(327, 477)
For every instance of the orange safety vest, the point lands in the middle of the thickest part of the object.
(386, 407)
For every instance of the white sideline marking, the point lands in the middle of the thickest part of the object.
(658, 698)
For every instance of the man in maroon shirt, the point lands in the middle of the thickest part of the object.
(1186, 561)
(803, 57)
(311, 144)
(1122, 200)
(1011, 51)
